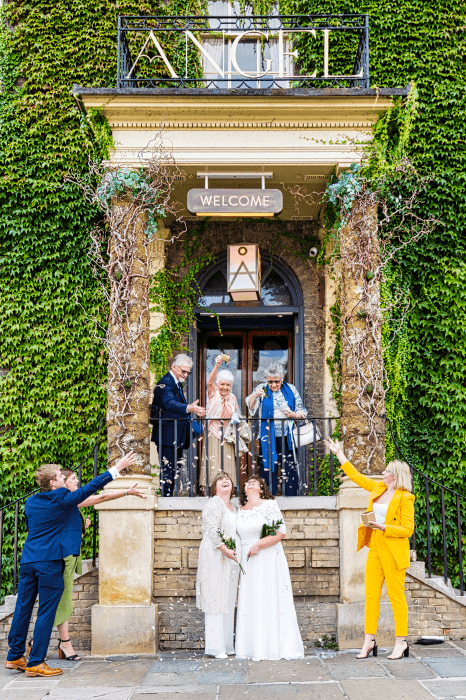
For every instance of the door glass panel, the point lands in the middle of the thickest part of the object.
(267, 349)
(232, 346)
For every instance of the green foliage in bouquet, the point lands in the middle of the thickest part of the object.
(271, 529)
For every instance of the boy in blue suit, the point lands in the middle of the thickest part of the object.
(41, 570)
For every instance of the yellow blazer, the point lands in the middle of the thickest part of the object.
(399, 523)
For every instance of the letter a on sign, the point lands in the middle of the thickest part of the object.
(161, 55)
(244, 272)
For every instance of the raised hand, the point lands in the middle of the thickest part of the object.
(127, 461)
(218, 360)
(195, 408)
(334, 447)
(133, 492)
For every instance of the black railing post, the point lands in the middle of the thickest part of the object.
(207, 457)
(94, 512)
(284, 461)
(269, 447)
(331, 457)
(15, 551)
(190, 461)
(413, 537)
(119, 61)
(237, 458)
(1, 549)
(429, 562)
(460, 543)
(175, 459)
(298, 466)
(367, 83)
(444, 535)
(253, 449)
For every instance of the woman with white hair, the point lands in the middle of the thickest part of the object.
(221, 405)
(279, 404)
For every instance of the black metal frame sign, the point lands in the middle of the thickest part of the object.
(243, 202)
(133, 49)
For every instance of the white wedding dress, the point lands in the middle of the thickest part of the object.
(266, 624)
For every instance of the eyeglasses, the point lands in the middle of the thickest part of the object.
(274, 381)
(187, 372)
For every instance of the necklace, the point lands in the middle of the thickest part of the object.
(250, 506)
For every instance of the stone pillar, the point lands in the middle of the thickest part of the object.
(128, 338)
(363, 402)
(126, 619)
(363, 427)
(157, 260)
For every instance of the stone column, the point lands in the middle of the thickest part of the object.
(126, 619)
(363, 406)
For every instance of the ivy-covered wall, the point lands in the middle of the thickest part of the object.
(425, 43)
(52, 393)
(53, 372)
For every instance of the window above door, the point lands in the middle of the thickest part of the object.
(277, 289)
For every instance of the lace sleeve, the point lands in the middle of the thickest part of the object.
(212, 520)
(274, 513)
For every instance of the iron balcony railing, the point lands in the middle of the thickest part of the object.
(145, 38)
(308, 458)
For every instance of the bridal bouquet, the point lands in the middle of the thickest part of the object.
(230, 543)
(271, 529)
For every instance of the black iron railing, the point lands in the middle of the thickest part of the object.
(19, 524)
(308, 459)
(144, 59)
(425, 484)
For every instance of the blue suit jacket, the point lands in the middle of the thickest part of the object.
(171, 402)
(53, 521)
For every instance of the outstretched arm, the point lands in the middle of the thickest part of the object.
(74, 498)
(111, 496)
(213, 376)
(360, 479)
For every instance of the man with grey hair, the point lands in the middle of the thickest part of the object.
(169, 417)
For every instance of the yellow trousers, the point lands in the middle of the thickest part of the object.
(381, 566)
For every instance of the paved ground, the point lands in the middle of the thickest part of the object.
(430, 672)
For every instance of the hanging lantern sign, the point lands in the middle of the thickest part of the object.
(244, 272)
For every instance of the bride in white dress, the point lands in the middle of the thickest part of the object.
(266, 624)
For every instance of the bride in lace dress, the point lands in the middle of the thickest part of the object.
(266, 624)
(218, 569)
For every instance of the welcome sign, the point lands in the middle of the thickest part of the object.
(223, 202)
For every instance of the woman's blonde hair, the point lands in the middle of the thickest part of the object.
(402, 473)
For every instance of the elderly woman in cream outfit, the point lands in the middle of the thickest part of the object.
(221, 404)
(218, 570)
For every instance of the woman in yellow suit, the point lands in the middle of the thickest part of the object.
(392, 503)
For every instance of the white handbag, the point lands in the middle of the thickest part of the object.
(304, 434)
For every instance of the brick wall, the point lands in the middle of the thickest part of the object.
(85, 595)
(432, 613)
(312, 551)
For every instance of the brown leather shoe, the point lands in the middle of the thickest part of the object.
(18, 664)
(42, 670)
